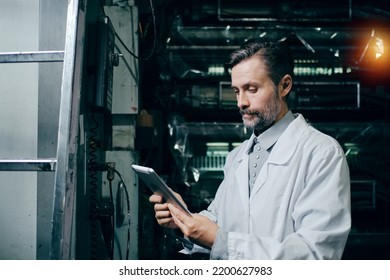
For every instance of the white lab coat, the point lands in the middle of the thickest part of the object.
(299, 207)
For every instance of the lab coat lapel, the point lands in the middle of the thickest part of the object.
(282, 151)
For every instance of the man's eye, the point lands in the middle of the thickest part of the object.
(252, 89)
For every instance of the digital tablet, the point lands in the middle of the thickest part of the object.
(158, 186)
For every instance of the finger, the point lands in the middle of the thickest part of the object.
(178, 222)
(180, 216)
(161, 207)
(176, 211)
(163, 214)
(165, 221)
(154, 198)
(173, 209)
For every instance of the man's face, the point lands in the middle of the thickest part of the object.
(257, 96)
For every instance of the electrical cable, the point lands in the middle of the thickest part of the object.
(94, 214)
(112, 220)
(116, 171)
(154, 38)
(92, 170)
(128, 214)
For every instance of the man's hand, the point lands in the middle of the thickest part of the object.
(196, 227)
(162, 213)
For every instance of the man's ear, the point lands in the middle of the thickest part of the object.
(285, 85)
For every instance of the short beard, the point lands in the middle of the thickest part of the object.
(264, 118)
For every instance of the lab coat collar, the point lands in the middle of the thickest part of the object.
(281, 154)
(269, 137)
(283, 150)
(287, 143)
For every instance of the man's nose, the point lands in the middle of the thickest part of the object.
(242, 100)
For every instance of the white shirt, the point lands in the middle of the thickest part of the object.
(299, 207)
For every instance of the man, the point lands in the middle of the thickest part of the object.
(286, 190)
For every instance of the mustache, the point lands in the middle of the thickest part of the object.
(248, 112)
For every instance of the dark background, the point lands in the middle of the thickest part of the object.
(340, 87)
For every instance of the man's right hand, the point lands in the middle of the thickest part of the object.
(162, 213)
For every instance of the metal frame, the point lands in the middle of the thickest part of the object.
(29, 57)
(28, 164)
(65, 163)
(274, 19)
(331, 83)
(66, 175)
